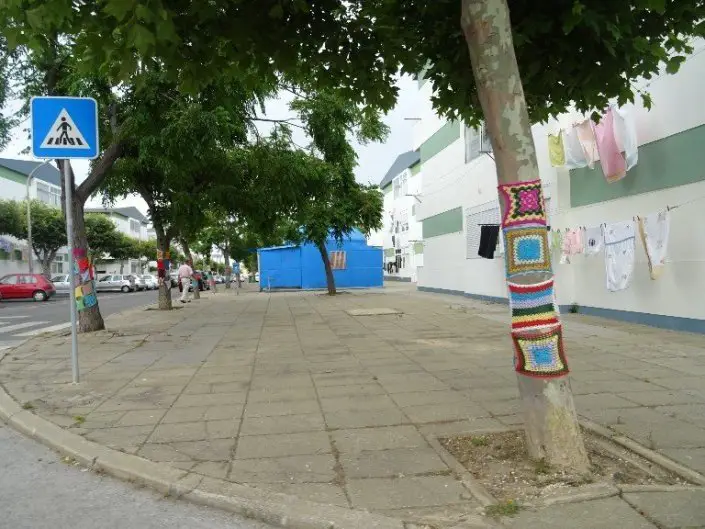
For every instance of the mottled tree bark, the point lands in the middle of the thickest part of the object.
(552, 429)
(163, 243)
(226, 255)
(330, 278)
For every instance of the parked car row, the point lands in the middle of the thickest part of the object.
(112, 282)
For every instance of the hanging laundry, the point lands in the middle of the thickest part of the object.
(555, 149)
(574, 154)
(593, 240)
(572, 244)
(625, 135)
(586, 136)
(556, 240)
(619, 240)
(612, 160)
(488, 240)
(654, 230)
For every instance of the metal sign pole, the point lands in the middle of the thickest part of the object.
(68, 187)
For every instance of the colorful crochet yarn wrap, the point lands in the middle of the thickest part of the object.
(526, 250)
(539, 353)
(523, 204)
(532, 306)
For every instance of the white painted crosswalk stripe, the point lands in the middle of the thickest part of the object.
(2, 322)
(19, 326)
(36, 332)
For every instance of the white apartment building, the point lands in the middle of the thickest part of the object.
(401, 231)
(131, 222)
(459, 193)
(45, 186)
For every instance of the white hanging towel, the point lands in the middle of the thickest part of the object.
(574, 153)
(593, 240)
(625, 135)
(655, 230)
(620, 244)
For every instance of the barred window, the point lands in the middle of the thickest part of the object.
(338, 260)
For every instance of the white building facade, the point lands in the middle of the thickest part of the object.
(45, 186)
(131, 222)
(459, 194)
(401, 235)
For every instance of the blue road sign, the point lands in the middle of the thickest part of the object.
(64, 127)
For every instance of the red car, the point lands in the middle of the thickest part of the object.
(26, 286)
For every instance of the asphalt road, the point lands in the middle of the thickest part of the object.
(39, 491)
(20, 318)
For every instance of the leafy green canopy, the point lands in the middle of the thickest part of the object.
(581, 51)
(321, 42)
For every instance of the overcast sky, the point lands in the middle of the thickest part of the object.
(374, 159)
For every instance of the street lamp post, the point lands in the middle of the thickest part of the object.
(29, 216)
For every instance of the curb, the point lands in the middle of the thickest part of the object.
(650, 455)
(282, 510)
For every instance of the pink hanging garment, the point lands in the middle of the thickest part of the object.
(612, 160)
(586, 137)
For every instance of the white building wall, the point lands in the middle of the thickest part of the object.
(449, 182)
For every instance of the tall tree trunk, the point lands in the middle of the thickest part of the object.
(550, 420)
(189, 258)
(45, 262)
(226, 256)
(122, 267)
(89, 319)
(330, 278)
(163, 244)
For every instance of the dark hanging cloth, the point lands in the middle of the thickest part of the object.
(488, 241)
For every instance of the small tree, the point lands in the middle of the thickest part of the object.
(48, 233)
(124, 248)
(10, 218)
(101, 234)
(340, 208)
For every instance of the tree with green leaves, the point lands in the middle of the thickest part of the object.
(10, 217)
(102, 235)
(48, 232)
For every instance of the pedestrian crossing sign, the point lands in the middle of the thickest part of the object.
(64, 127)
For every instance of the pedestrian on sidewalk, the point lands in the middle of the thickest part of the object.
(211, 281)
(185, 273)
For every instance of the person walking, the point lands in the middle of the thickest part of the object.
(211, 281)
(185, 273)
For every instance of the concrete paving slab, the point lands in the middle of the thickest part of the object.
(261, 446)
(394, 462)
(671, 510)
(380, 438)
(344, 419)
(398, 493)
(600, 514)
(291, 469)
(283, 424)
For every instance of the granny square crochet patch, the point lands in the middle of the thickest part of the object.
(539, 353)
(523, 204)
(532, 305)
(526, 250)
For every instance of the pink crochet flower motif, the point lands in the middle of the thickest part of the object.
(529, 201)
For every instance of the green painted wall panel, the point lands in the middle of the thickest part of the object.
(388, 188)
(440, 139)
(389, 252)
(450, 221)
(669, 162)
(12, 175)
(415, 169)
(418, 248)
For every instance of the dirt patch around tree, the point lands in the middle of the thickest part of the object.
(500, 462)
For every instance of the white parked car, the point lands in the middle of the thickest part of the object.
(123, 283)
(151, 282)
(62, 283)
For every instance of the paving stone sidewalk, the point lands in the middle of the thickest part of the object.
(290, 392)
